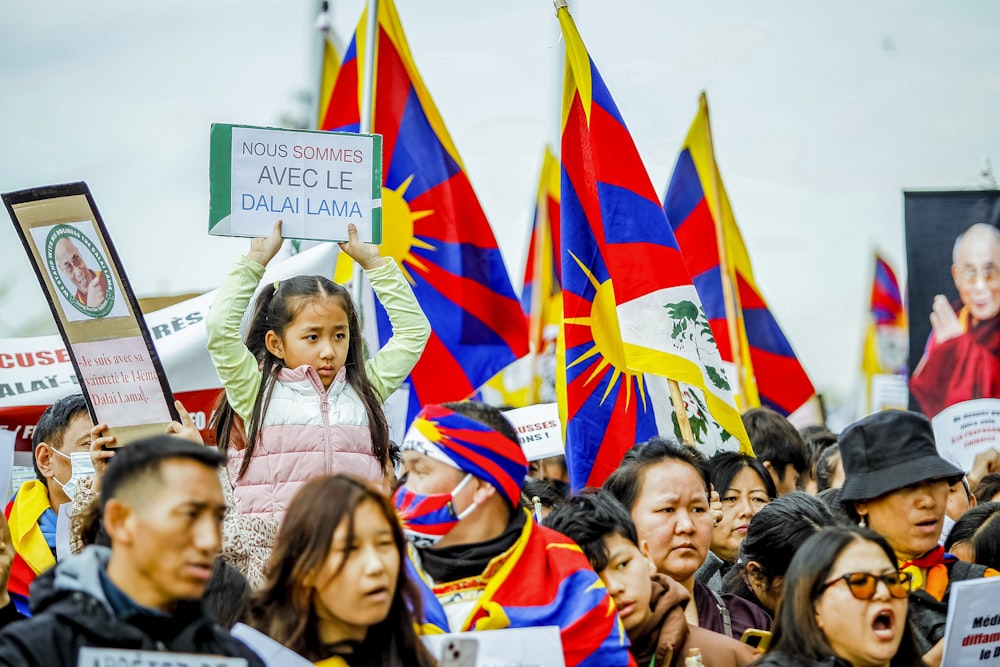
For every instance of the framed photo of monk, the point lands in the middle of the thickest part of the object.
(953, 251)
(85, 285)
(94, 308)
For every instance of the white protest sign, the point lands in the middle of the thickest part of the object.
(538, 429)
(516, 647)
(972, 628)
(115, 657)
(63, 525)
(7, 439)
(315, 182)
(35, 372)
(271, 652)
(965, 429)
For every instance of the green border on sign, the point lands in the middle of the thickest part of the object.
(220, 168)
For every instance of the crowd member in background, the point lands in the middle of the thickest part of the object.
(845, 604)
(480, 559)
(975, 537)
(829, 469)
(778, 446)
(897, 484)
(62, 430)
(988, 488)
(665, 486)
(552, 470)
(8, 612)
(744, 487)
(960, 499)
(163, 509)
(300, 397)
(774, 535)
(650, 605)
(246, 540)
(336, 582)
(545, 492)
(816, 439)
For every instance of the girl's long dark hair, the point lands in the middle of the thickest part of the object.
(283, 609)
(274, 310)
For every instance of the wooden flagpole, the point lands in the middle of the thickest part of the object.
(725, 268)
(682, 416)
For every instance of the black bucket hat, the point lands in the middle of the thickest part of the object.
(887, 451)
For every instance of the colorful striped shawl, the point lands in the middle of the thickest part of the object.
(543, 579)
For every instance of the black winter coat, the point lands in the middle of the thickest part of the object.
(71, 611)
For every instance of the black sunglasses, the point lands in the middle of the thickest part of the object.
(863, 584)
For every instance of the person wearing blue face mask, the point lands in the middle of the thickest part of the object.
(61, 441)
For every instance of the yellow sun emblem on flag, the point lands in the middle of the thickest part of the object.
(398, 223)
(604, 329)
(398, 238)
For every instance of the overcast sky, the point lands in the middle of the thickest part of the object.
(823, 115)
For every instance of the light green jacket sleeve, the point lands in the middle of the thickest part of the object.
(410, 330)
(237, 368)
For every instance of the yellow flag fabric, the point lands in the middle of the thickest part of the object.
(29, 542)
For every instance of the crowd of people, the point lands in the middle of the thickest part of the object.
(303, 528)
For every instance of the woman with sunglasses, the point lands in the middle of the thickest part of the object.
(845, 605)
(897, 485)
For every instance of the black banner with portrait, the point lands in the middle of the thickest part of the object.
(953, 279)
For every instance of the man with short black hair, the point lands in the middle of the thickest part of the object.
(650, 605)
(778, 445)
(163, 509)
(62, 430)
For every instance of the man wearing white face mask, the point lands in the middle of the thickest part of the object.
(62, 431)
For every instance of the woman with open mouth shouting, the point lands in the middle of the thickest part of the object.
(845, 605)
(897, 485)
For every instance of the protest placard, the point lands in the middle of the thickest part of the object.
(91, 656)
(96, 312)
(273, 653)
(512, 647)
(965, 429)
(538, 429)
(972, 627)
(315, 182)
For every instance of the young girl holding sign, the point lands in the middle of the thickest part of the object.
(300, 398)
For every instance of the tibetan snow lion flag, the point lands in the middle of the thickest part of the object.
(631, 316)
(433, 224)
(765, 367)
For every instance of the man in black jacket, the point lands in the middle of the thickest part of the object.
(163, 508)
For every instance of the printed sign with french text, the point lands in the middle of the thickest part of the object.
(972, 628)
(315, 182)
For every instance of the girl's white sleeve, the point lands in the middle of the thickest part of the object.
(237, 368)
(410, 329)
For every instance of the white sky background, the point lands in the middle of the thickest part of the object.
(822, 116)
